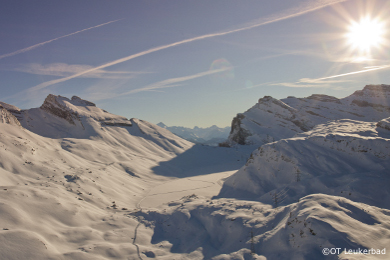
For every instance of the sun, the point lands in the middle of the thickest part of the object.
(365, 34)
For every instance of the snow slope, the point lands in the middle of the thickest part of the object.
(344, 157)
(199, 228)
(71, 179)
(77, 182)
(325, 188)
(271, 119)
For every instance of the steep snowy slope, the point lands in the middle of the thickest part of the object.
(271, 119)
(345, 158)
(60, 117)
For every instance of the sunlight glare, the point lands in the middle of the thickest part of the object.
(365, 34)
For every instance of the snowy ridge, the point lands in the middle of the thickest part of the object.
(344, 158)
(271, 119)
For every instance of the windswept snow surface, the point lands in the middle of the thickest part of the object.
(80, 183)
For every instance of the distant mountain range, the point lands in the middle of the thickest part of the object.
(212, 135)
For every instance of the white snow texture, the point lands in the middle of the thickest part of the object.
(77, 182)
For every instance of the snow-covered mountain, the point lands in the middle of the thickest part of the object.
(72, 175)
(345, 157)
(272, 119)
(77, 182)
(212, 135)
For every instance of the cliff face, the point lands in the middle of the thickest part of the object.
(271, 119)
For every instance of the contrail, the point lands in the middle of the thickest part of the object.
(293, 13)
(43, 43)
(352, 73)
(173, 82)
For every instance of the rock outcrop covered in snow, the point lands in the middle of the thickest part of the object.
(272, 119)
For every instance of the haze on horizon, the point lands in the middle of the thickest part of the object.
(193, 63)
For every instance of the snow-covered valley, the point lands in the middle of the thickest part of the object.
(80, 183)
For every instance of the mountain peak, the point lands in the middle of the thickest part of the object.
(324, 98)
(373, 91)
(60, 101)
(55, 105)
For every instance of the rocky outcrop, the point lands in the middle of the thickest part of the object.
(238, 133)
(53, 106)
(116, 122)
(82, 102)
(324, 98)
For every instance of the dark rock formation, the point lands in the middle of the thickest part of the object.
(52, 106)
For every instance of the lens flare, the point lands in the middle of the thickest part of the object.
(227, 72)
(365, 34)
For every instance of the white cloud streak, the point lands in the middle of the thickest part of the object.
(310, 7)
(167, 83)
(325, 82)
(353, 73)
(46, 42)
(64, 70)
(173, 82)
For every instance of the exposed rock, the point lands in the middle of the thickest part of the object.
(53, 106)
(116, 122)
(238, 133)
(80, 101)
(324, 98)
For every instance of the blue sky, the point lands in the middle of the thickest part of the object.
(195, 62)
